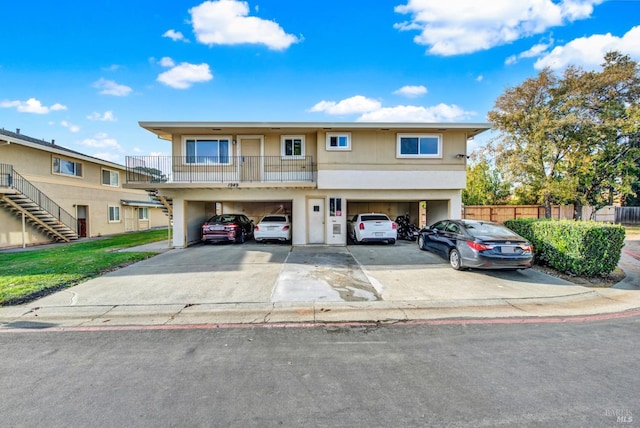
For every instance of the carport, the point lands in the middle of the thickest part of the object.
(421, 212)
(199, 211)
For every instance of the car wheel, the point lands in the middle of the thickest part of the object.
(454, 259)
(421, 243)
(240, 239)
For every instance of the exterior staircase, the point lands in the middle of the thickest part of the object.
(167, 203)
(22, 198)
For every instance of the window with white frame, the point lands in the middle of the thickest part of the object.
(110, 178)
(208, 150)
(114, 214)
(67, 167)
(338, 141)
(143, 213)
(292, 146)
(419, 146)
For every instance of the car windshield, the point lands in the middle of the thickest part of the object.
(222, 219)
(376, 217)
(274, 219)
(487, 229)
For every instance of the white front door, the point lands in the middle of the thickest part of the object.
(315, 216)
(130, 219)
(251, 166)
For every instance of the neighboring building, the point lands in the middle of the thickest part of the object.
(49, 193)
(321, 173)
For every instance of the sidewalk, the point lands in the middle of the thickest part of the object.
(191, 288)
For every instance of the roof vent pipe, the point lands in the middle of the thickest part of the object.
(18, 131)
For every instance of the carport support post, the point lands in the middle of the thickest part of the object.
(179, 224)
(455, 206)
(24, 231)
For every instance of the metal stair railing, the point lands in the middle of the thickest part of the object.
(11, 179)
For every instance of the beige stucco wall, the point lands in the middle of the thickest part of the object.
(70, 192)
(369, 177)
(11, 232)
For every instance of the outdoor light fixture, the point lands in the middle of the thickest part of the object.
(461, 155)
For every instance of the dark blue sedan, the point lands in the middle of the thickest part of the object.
(477, 244)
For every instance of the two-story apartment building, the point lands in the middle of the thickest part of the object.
(321, 173)
(49, 193)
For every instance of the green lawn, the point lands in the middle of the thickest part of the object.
(26, 275)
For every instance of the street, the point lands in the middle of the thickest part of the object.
(571, 374)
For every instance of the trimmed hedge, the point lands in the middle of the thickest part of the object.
(584, 248)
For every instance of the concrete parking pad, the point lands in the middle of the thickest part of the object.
(274, 283)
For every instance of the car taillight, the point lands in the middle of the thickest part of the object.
(361, 226)
(479, 247)
(256, 227)
(285, 227)
(394, 226)
(527, 248)
(230, 227)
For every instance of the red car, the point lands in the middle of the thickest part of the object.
(227, 228)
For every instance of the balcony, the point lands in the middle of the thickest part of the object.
(223, 171)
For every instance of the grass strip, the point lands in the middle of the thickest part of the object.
(27, 275)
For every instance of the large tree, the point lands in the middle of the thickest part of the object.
(531, 146)
(571, 139)
(484, 184)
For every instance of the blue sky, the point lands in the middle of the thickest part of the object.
(85, 73)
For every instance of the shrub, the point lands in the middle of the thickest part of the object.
(583, 248)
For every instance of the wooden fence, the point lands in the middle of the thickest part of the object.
(627, 215)
(501, 213)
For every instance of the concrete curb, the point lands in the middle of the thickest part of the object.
(589, 303)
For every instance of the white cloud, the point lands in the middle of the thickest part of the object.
(109, 87)
(588, 52)
(226, 22)
(438, 113)
(167, 62)
(71, 127)
(465, 26)
(107, 116)
(176, 36)
(109, 157)
(31, 105)
(104, 142)
(184, 75)
(411, 91)
(372, 111)
(356, 104)
(534, 51)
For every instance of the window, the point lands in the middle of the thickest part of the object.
(419, 146)
(338, 141)
(110, 178)
(114, 214)
(335, 207)
(143, 213)
(208, 150)
(67, 167)
(292, 146)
